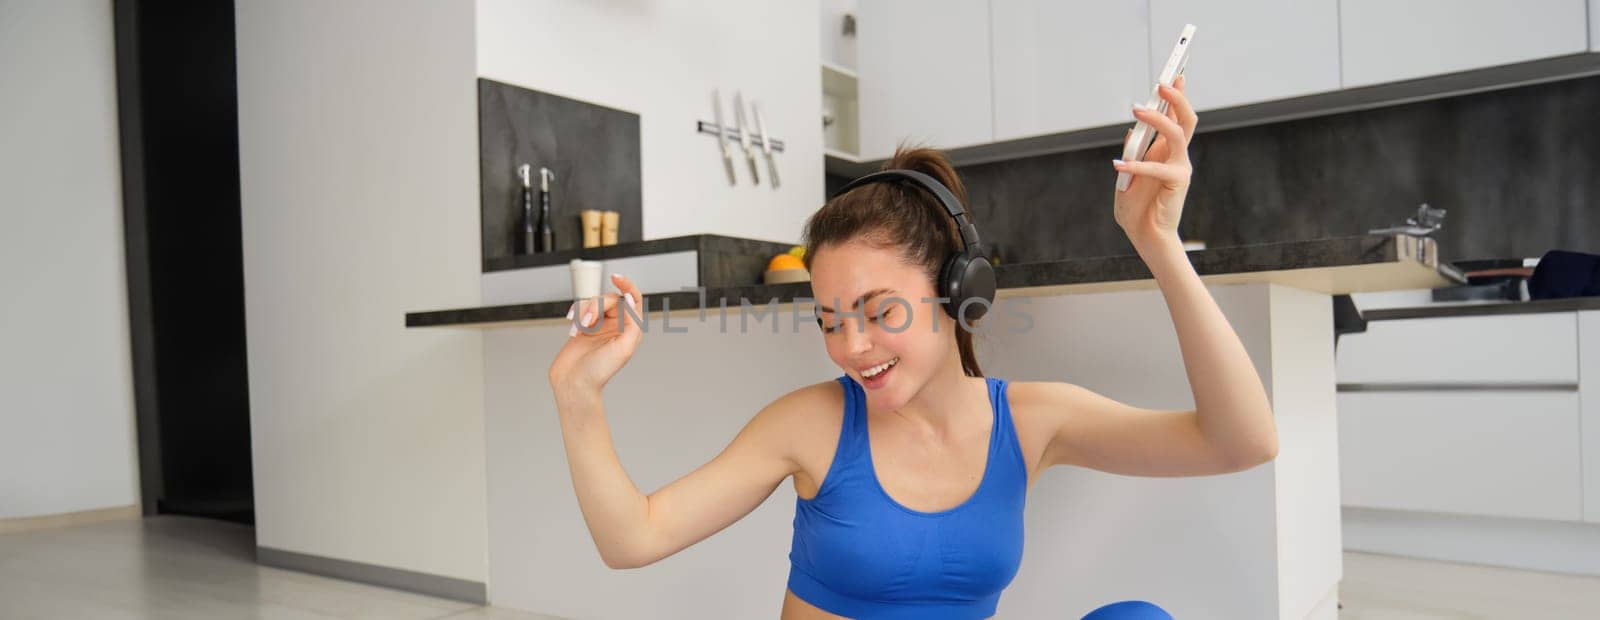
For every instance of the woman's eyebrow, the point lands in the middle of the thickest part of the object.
(857, 303)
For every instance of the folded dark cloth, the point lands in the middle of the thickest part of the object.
(1565, 274)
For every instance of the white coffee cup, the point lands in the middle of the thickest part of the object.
(586, 278)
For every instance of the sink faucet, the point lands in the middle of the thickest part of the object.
(1427, 220)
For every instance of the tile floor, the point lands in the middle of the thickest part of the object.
(1378, 587)
(179, 568)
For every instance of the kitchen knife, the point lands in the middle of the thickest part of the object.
(766, 144)
(722, 138)
(744, 136)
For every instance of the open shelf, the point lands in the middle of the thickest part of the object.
(841, 112)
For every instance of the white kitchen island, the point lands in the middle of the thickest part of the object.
(1264, 543)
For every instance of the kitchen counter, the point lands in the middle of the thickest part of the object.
(1569, 304)
(1334, 266)
(721, 247)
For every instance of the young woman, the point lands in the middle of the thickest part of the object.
(911, 467)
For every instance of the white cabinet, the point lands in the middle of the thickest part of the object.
(1594, 25)
(954, 73)
(1060, 66)
(1505, 454)
(1528, 349)
(1248, 51)
(1589, 395)
(924, 74)
(1482, 415)
(1390, 40)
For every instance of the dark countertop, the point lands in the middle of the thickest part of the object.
(1335, 265)
(1570, 304)
(706, 244)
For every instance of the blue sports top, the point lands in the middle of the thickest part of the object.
(858, 553)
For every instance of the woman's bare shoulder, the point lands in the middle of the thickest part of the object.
(1042, 397)
(1047, 405)
(803, 422)
(809, 419)
(806, 406)
(1039, 409)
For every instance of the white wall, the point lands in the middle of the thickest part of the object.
(661, 61)
(358, 151)
(66, 384)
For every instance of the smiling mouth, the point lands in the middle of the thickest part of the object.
(880, 368)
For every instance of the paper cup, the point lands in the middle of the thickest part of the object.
(586, 278)
(609, 220)
(591, 219)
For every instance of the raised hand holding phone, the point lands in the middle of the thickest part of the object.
(1151, 190)
(1144, 134)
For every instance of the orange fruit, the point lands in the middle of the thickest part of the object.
(785, 261)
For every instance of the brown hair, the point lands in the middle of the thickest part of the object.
(900, 217)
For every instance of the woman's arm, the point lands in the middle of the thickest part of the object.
(1232, 410)
(1231, 427)
(631, 529)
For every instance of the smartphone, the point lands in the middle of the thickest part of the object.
(1143, 134)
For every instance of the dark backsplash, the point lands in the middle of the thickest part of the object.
(593, 151)
(1517, 169)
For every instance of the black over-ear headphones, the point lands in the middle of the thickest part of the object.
(967, 274)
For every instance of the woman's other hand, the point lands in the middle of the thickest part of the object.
(602, 339)
(1153, 203)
